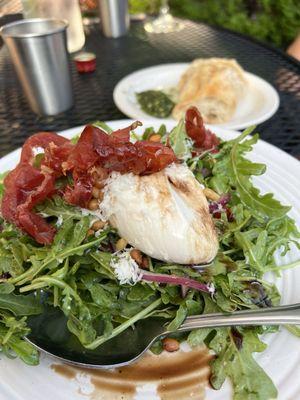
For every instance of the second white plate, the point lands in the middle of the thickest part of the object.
(259, 104)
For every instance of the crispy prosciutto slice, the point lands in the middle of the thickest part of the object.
(115, 152)
(81, 192)
(54, 156)
(25, 187)
(40, 140)
(203, 138)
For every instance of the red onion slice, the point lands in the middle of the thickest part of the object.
(176, 280)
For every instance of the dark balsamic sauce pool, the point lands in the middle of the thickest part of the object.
(181, 375)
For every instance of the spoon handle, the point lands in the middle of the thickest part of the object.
(264, 316)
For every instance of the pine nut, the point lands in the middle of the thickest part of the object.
(100, 195)
(137, 256)
(170, 344)
(155, 138)
(95, 192)
(121, 244)
(98, 225)
(99, 184)
(93, 205)
(145, 263)
(102, 173)
(211, 195)
(90, 232)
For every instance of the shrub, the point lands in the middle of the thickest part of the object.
(273, 21)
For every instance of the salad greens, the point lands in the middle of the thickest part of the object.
(77, 272)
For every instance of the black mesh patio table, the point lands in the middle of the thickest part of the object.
(119, 57)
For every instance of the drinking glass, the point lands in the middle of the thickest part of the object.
(165, 22)
(63, 9)
(38, 50)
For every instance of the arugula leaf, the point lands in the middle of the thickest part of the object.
(2, 176)
(122, 327)
(20, 304)
(180, 142)
(82, 328)
(103, 263)
(9, 265)
(253, 250)
(57, 207)
(75, 139)
(198, 336)
(151, 131)
(140, 292)
(67, 242)
(248, 378)
(295, 330)
(219, 184)
(181, 314)
(12, 343)
(6, 288)
(241, 169)
(103, 125)
(102, 297)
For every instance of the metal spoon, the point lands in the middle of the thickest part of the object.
(49, 333)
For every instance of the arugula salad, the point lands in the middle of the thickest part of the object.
(104, 285)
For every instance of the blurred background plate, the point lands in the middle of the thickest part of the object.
(260, 102)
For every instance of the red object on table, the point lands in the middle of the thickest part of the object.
(85, 62)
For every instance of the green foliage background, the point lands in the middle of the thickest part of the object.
(273, 21)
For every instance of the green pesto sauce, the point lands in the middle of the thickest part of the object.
(155, 103)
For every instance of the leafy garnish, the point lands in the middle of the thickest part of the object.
(234, 166)
(180, 142)
(248, 378)
(20, 304)
(103, 125)
(2, 176)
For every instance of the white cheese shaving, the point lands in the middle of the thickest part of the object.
(126, 269)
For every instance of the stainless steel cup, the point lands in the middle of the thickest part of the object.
(38, 49)
(114, 17)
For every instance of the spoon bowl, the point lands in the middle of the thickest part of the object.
(50, 334)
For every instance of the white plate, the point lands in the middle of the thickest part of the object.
(282, 358)
(259, 104)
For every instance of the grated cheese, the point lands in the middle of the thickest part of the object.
(126, 269)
